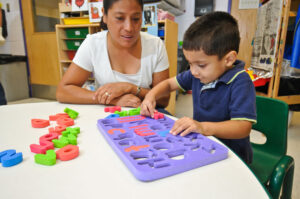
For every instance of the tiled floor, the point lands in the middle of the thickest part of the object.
(184, 107)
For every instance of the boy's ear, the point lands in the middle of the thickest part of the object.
(230, 58)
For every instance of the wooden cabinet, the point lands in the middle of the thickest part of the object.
(66, 50)
(170, 38)
(171, 42)
(289, 9)
(247, 31)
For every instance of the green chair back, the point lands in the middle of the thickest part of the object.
(272, 121)
(270, 163)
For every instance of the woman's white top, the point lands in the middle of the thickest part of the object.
(92, 56)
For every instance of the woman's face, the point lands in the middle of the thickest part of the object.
(124, 20)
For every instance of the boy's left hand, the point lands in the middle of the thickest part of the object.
(186, 125)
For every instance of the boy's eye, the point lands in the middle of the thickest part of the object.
(119, 18)
(202, 65)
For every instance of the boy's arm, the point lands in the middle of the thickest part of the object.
(162, 89)
(156, 79)
(230, 129)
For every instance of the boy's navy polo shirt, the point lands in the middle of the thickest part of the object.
(231, 97)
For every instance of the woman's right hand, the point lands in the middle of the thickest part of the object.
(148, 106)
(108, 92)
(128, 100)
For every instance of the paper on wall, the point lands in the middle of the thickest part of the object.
(79, 5)
(248, 4)
(95, 11)
(150, 19)
(266, 39)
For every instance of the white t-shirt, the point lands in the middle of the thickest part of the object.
(92, 56)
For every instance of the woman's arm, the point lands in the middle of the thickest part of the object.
(69, 89)
(118, 89)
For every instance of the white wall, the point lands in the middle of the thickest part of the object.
(14, 43)
(185, 20)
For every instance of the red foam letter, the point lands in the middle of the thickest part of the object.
(39, 123)
(68, 152)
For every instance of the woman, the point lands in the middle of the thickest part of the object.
(126, 62)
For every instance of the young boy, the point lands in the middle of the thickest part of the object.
(223, 93)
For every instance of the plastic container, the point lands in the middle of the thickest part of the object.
(161, 32)
(261, 82)
(295, 59)
(162, 15)
(71, 54)
(75, 33)
(73, 44)
(76, 21)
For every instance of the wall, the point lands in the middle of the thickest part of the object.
(185, 20)
(14, 43)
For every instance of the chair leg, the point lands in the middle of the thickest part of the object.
(288, 183)
(282, 177)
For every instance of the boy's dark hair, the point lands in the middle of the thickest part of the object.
(107, 4)
(215, 33)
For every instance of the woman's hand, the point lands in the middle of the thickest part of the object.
(148, 106)
(108, 92)
(128, 100)
(186, 125)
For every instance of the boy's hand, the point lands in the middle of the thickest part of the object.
(148, 106)
(186, 125)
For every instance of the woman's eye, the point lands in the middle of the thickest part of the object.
(119, 18)
(136, 19)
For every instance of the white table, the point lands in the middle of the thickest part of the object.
(98, 172)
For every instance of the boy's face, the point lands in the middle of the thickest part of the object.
(207, 68)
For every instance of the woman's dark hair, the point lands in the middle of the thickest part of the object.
(107, 4)
(215, 33)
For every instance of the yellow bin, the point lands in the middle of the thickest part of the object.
(76, 21)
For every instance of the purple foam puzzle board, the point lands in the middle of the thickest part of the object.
(150, 153)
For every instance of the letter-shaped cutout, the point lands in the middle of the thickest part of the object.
(111, 131)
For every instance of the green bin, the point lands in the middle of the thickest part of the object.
(73, 44)
(75, 33)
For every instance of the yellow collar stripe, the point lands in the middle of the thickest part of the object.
(235, 76)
